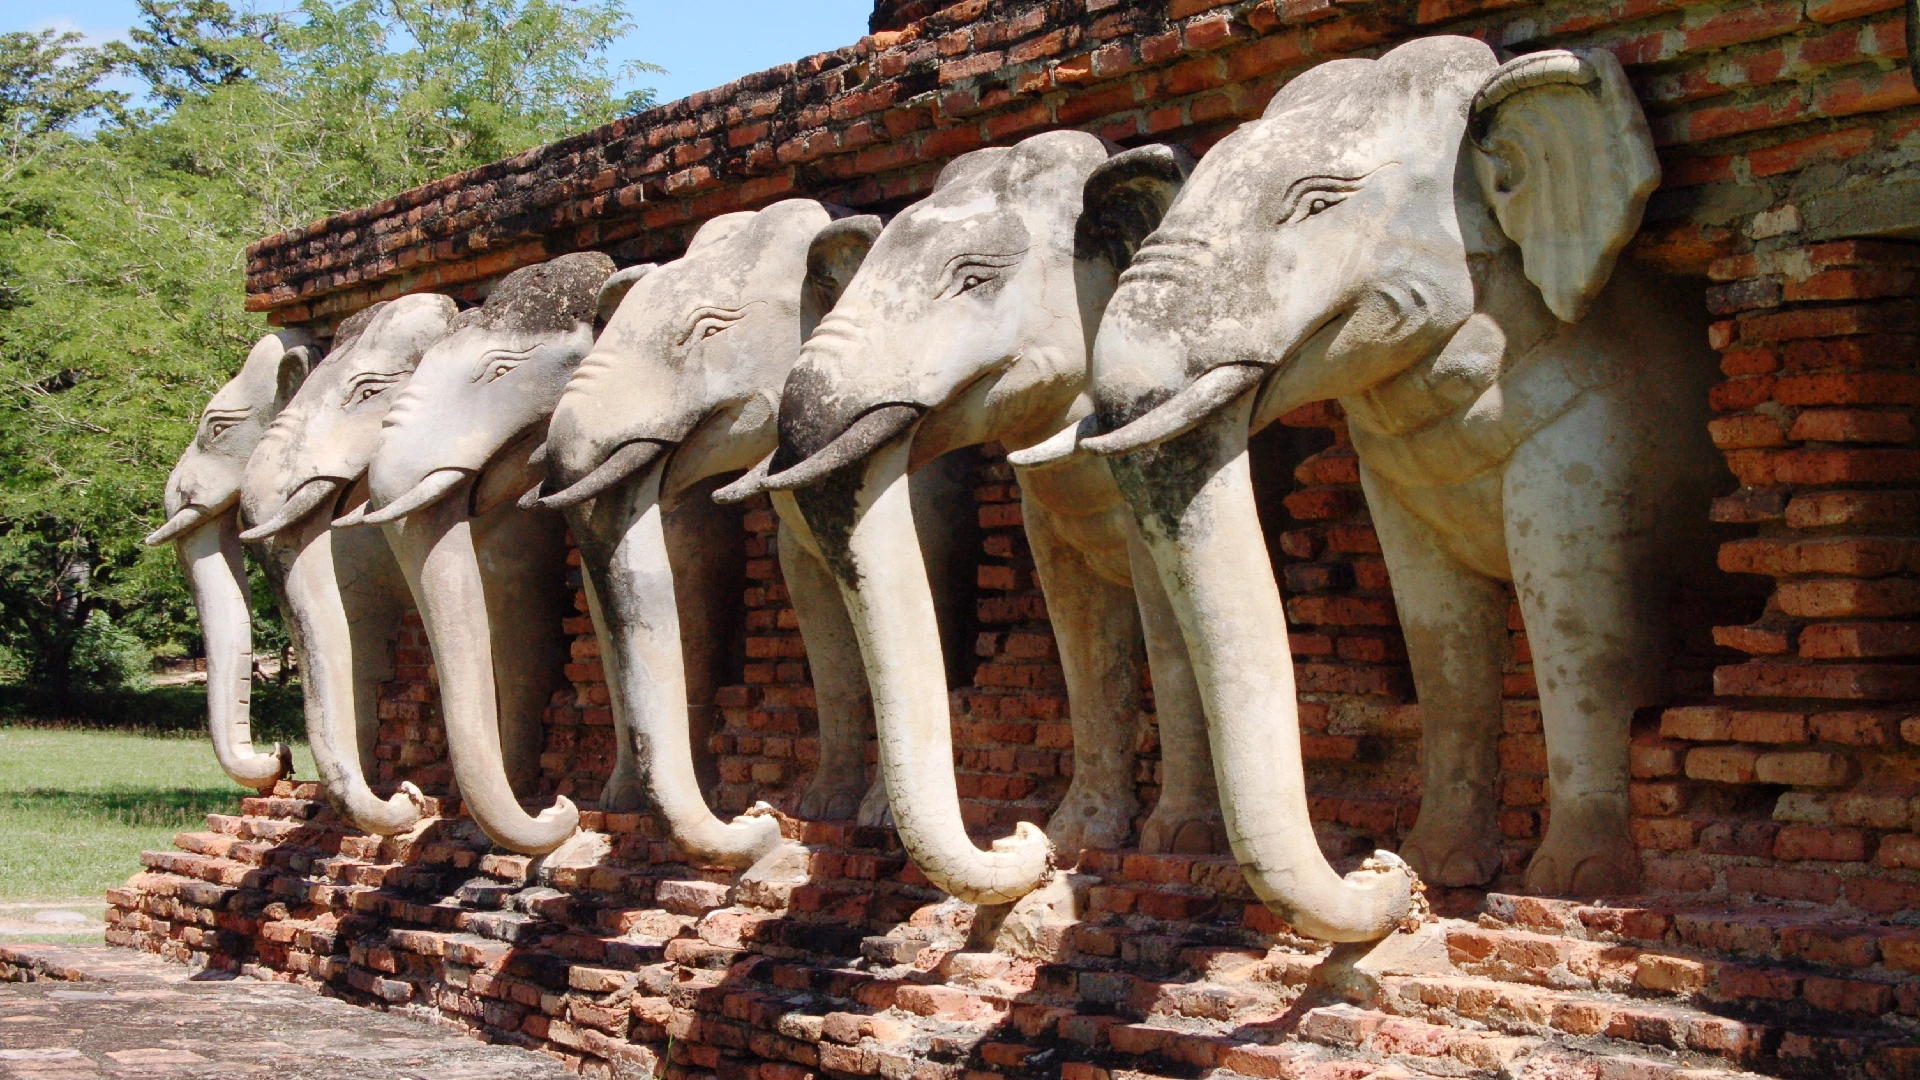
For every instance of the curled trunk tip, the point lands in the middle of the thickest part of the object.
(1382, 896)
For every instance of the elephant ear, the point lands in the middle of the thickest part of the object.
(835, 254)
(1125, 198)
(614, 290)
(1563, 154)
(354, 325)
(295, 364)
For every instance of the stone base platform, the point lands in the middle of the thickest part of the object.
(621, 959)
(93, 1013)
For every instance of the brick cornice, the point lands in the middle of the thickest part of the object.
(1740, 94)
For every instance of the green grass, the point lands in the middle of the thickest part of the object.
(78, 805)
(276, 712)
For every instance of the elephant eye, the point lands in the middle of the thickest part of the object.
(368, 387)
(220, 425)
(970, 271)
(1313, 195)
(1313, 203)
(498, 363)
(707, 321)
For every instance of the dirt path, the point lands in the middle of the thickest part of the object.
(96, 1013)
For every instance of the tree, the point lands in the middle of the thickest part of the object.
(48, 84)
(121, 237)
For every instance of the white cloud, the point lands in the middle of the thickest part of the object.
(93, 36)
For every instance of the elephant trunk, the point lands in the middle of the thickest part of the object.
(323, 643)
(215, 567)
(435, 549)
(1194, 498)
(630, 594)
(867, 535)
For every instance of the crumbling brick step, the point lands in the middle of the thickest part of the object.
(1792, 962)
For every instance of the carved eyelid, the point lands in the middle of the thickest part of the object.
(487, 360)
(985, 259)
(729, 316)
(1307, 185)
(366, 377)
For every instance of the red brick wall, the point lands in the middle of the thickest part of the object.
(1800, 782)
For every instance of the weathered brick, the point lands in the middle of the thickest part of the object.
(1804, 768)
(1798, 842)
(1724, 764)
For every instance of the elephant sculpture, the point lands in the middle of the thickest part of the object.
(340, 590)
(456, 452)
(971, 320)
(203, 523)
(1430, 238)
(679, 392)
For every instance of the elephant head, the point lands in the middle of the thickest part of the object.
(202, 505)
(1356, 228)
(1389, 233)
(969, 321)
(342, 596)
(680, 388)
(455, 454)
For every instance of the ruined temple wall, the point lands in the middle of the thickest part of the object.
(1783, 127)
(1776, 801)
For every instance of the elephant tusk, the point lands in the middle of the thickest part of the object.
(628, 460)
(530, 498)
(1180, 413)
(304, 501)
(873, 430)
(178, 525)
(747, 486)
(427, 492)
(355, 516)
(1061, 448)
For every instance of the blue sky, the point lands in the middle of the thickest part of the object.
(701, 43)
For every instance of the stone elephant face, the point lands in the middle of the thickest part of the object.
(679, 388)
(1353, 229)
(454, 450)
(321, 442)
(206, 481)
(202, 499)
(482, 393)
(693, 356)
(973, 312)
